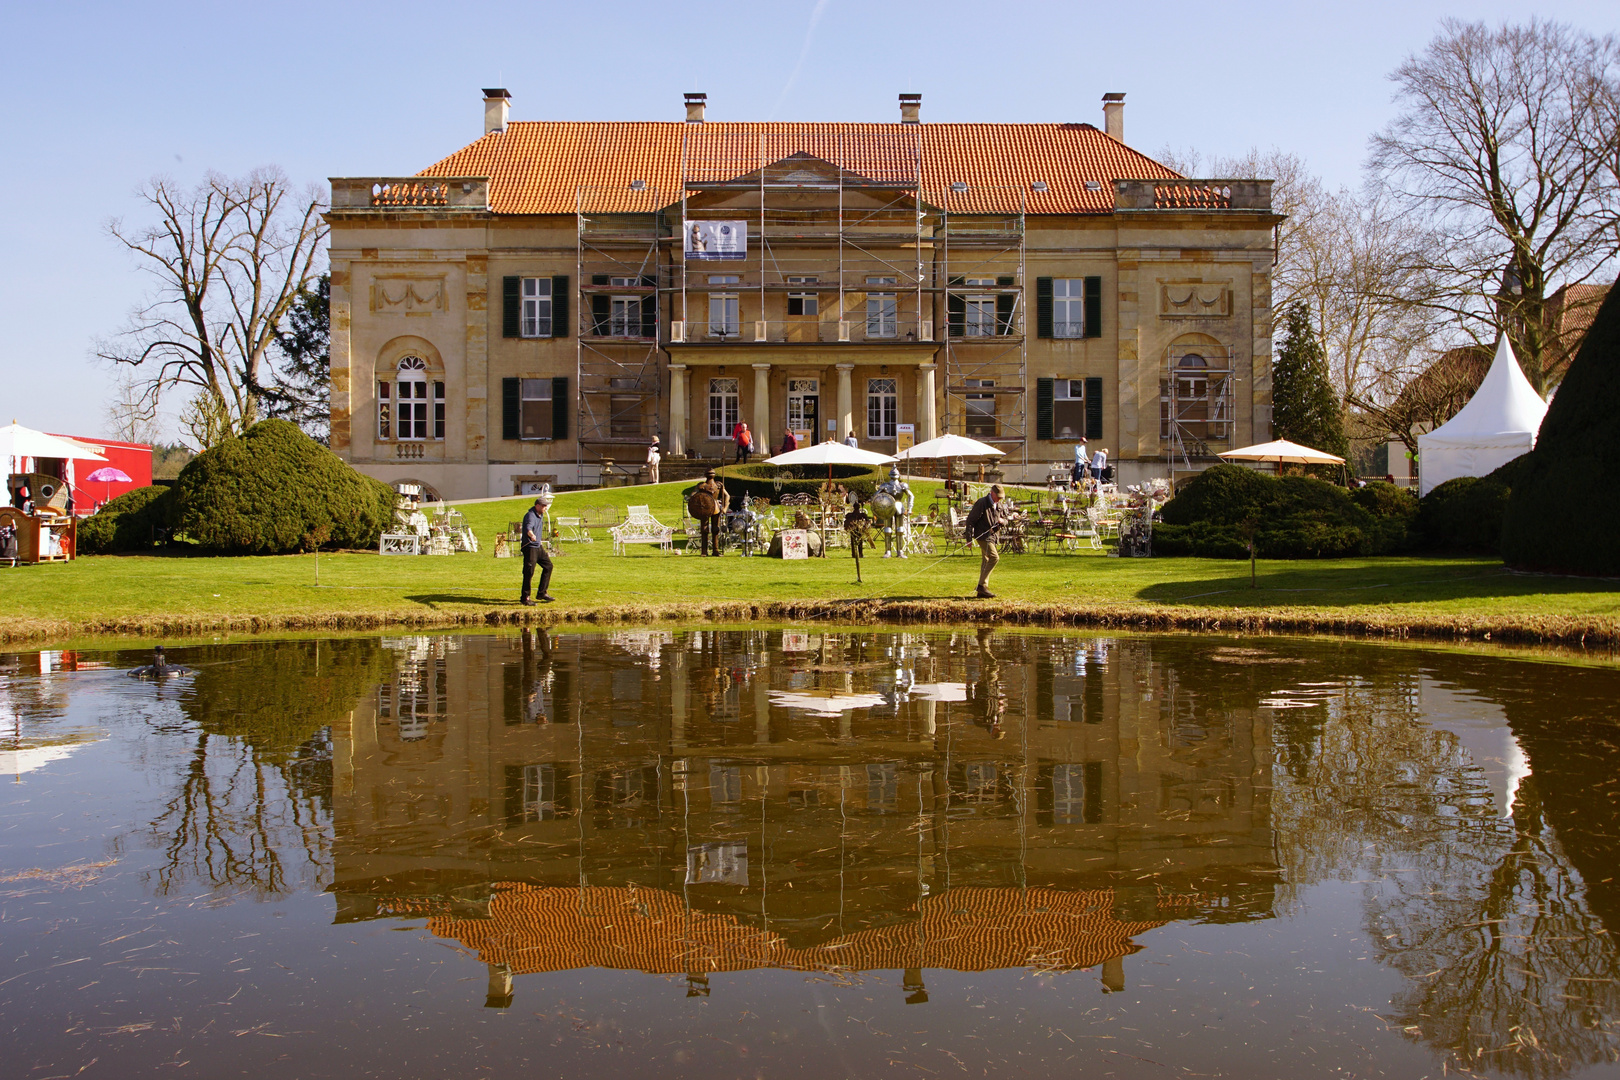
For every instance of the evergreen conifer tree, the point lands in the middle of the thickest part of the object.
(1304, 407)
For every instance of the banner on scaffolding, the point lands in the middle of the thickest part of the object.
(715, 239)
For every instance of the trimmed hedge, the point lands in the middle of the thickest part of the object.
(1464, 516)
(759, 481)
(276, 490)
(127, 523)
(1293, 517)
(1563, 513)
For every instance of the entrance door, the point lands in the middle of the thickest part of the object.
(804, 410)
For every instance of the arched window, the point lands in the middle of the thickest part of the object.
(402, 404)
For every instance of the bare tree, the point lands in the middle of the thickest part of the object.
(1506, 148)
(230, 258)
(131, 414)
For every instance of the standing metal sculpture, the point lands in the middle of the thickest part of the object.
(891, 507)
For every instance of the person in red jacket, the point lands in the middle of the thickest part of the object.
(789, 443)
(744, 440)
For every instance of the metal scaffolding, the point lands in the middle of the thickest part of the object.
(617, 316)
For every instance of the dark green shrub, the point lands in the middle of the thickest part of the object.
(276, 490)
(1465, 515)
(1564, 511)
(1294, 517)
(128, 523)
(759, 481)
(1225, 494)
(1383, 500)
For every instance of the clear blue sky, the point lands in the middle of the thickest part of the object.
(98, 97)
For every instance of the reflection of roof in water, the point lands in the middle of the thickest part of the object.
(536, 928)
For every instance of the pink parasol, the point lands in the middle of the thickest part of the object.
(109, 476)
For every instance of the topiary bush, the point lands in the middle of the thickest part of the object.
(1563, 513)
(276, 490)
(130, 522)
(1294, 517)
(759, 481)
(1464, 516)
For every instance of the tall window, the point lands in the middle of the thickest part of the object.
(1068, 307)
(724, 407)
(882, 310)
(724, 307)
(403, 406)
(542, 799)
(802, 303)
(534, 409)
(536, 311)
(979, 319)
(980, 419)
(882, 408)
(624, 316)
(1068, 408)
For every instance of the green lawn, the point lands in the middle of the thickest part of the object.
(176, 593)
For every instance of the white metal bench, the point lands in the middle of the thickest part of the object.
(572, 529)
(641, 528)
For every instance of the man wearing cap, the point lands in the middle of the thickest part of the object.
(983, 525)
(533, 532)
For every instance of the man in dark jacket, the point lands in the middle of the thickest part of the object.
(534, 551)
(983, 526)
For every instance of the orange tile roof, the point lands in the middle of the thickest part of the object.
(535, 928)
(538, 167)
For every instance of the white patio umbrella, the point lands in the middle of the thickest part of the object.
(1281, 451)
(950, 446)
(829, 454)
(17, 441)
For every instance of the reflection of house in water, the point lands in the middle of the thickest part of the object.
(708, 800)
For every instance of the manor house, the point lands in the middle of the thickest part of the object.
(542, 303)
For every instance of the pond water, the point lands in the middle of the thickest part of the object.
(718, 853)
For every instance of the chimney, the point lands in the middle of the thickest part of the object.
(694, 107)
(496, 104)
(910, 107)
(1114, 116)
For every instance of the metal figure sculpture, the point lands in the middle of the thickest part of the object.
(892, 506)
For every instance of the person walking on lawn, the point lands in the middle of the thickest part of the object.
(534, 551)
(983, 525)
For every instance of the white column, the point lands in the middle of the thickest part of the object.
(846, 418)
(762, 407)
(926, 427)
(677, 410)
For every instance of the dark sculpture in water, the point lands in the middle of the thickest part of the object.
(159, 668)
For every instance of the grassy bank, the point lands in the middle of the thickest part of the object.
(1440, 599)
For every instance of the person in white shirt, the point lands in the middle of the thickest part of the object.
(849, 440)
(1078, 473)
(1099, 465)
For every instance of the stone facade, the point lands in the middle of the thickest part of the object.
(869, 299)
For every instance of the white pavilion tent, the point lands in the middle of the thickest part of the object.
(1499, 423)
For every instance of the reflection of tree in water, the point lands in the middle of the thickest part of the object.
(1508, 969)
(253, 809)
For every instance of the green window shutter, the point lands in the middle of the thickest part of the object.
(955, 309)
(561, 405)
(1043, 408)
(1045, 691)
(559, 306)
(1043, 307)
(1093, 307)
(601, 315)
(649, 309)
(1094, 410)
(509, 409)
(600, 279)
(1006, 304)
(511, 306)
